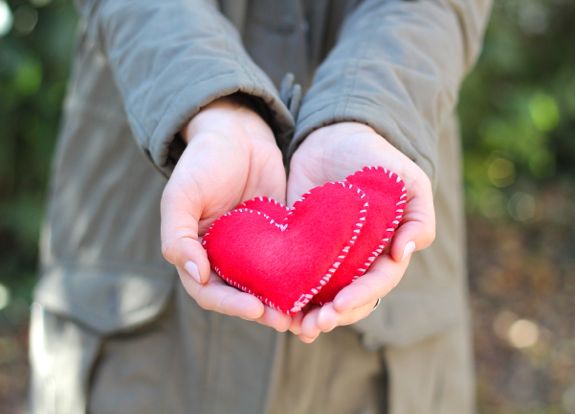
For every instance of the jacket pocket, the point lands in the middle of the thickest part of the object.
(106, 299)
(76, 315)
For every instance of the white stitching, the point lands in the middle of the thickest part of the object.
(305, 298)
(389, 231)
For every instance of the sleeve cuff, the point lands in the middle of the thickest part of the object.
(164, 145)
(356, 110)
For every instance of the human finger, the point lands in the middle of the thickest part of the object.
(206, 182)
(306, 339)
(275, 319)
(329, 318)
(181, 210)
(309, 328)
(295, 325)
(216, 296)
(180, 242)
(417, 228)
(382, 277)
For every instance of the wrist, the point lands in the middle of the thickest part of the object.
(338, 128)
(340, 139)
(224, 115)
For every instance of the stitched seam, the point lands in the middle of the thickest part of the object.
(304, 298)
(391, 227)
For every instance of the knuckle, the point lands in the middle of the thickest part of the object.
(185, 232)
(168, 251)
(172, 248)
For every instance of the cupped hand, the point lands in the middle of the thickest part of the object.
(231, 156)
(330, 154)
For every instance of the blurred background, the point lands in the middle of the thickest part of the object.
(518, 125)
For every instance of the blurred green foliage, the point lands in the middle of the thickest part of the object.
(518, 108)
(518, 120)
(34, 66)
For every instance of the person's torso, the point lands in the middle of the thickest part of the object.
(100, 249)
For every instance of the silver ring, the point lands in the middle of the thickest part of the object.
(376, 304)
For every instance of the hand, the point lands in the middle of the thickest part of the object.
(330, 154)
(231, 156)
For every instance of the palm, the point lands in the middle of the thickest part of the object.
(226, 173)
(334, 156)
(231, 156)
(331, 154)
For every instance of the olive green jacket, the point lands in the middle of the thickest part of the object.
(143, 68)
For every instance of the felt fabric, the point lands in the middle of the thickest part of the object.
(274, 209)
(286, 262)
(288, 257)
(386, 197)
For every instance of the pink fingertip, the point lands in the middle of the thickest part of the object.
(192, 269)
(326, 319)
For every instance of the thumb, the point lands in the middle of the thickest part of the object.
(417, 229)
(179, 233)
(200, 175)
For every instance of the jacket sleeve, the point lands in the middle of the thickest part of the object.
(397, 66)
(171, 57)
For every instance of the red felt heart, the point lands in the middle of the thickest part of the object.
(286, 262)
(276, 210)
(386, 197)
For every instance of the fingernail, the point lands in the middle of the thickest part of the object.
(408, 250)
(193, 271)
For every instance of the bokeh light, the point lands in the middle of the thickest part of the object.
(521, 206)
(25, 19)
(4, 296)
(501, 172)
(523, 333)
(544, 112)
(5, 18)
